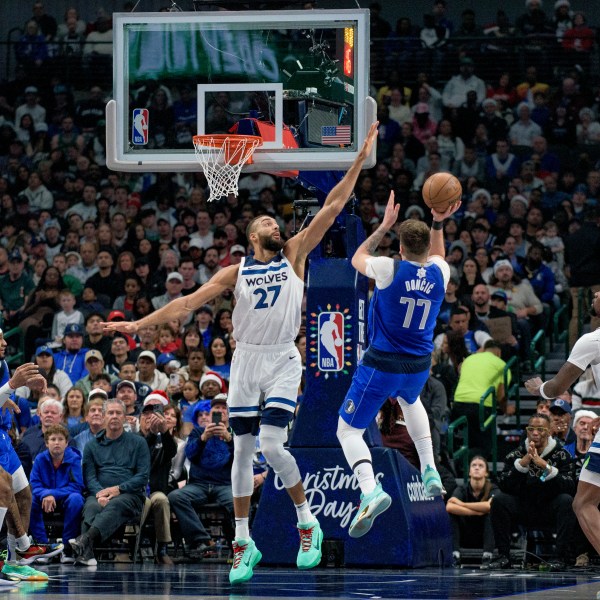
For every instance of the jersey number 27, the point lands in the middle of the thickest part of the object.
(266, 296)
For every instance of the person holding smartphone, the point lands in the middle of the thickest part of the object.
(210, 452)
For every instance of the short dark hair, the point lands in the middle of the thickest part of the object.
(415, 236)
(56, 430)
(539, 416)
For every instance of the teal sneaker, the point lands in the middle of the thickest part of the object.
(370, 506)
(311, 538)
(23, 572)
(245, 557)
(433, 483)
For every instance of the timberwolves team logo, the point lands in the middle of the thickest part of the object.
(331, 341)
(139, 128)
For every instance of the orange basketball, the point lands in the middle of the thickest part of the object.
(441, 191)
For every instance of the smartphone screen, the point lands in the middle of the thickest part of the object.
(216, 418)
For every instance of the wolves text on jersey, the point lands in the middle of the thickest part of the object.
(264, 279)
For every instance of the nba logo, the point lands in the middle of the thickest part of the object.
(331, 341)
(139, 129)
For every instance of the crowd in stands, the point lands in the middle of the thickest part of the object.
(80, 245)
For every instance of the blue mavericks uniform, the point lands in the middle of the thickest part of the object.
(402, 317)
(9, 460)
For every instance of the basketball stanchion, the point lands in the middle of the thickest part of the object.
(222, 157)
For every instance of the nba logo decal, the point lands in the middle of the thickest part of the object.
(331, 341)
(139, 128)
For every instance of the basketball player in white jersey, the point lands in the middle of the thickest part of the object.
(585, 352)
(268, 287)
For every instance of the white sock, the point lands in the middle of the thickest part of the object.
(417, 424)
(242, 530)
(304, 514)
(357, 454)
(23, 542)
(3, 512)
(365, 477)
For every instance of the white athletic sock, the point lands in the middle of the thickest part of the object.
(23, 542)
(242, 529)
(417, 424)
(365, 477)
(304, 514)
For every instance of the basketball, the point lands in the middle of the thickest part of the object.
(441, 191)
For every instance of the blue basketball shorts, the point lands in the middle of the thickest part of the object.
(370, 389)
(9, 460)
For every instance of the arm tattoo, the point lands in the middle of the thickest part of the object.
(373, 241)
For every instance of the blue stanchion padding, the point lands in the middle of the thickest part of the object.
(413, 532)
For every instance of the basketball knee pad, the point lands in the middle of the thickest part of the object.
(417, 421)
(283, 463)
(242, 479)
(352, 442)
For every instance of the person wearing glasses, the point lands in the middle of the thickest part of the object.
(585, 352)
(537, 486)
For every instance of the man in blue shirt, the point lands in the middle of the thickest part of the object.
(402, 315)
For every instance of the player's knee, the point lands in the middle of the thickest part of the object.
(344, 431)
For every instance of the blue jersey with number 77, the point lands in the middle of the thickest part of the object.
(406, 303)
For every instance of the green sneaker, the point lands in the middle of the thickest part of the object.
(311, 538)
(245, 557)
(23, 572)
(433, 483)
(370, 506)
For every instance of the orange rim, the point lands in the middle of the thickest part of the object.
(230, 144)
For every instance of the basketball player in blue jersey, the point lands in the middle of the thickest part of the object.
(402, 315)
(15, 493)
(268, 286)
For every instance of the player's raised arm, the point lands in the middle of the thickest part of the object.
(181, 307)
(302, 243)
(437, 230)
(368, 247)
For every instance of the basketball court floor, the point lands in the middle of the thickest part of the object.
(208, 582)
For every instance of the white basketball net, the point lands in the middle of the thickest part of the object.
(222, 160)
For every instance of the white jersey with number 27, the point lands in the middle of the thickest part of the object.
(268, 302)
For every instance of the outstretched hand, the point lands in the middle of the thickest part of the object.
(439, 216)
(391, 213)
(533, 386)
(369, 140)
(28, 375)
(121, 326)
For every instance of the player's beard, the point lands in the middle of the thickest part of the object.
(269, 243)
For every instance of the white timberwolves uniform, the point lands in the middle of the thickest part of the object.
(266, 365)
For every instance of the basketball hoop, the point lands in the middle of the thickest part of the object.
(222, 157)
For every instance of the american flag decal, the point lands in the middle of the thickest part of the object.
(336, 134)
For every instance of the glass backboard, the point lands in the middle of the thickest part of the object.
(297, 78)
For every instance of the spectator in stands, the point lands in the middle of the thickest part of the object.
(88, 267)
(74, 411)
(537, 486)
(94, 338)
(210, 452)
(94, 364)
(560, 415)
(105, 282)
(501, 167)
(539, 275)
(582, 249)
(163, 448)
(459, 322)
(478, 372)
(433, 37)
(148, 373)
(523, 131)
(174, 285)
(51, 412)
(67, 315)
(71, 359)
(57, 484)
(31, 51)
(98, 50)
(578, 42)
(16, 287)
(588, 128)
(582, 428)
(469, 510)
(94, 418)
(561, 128)
(116, 469)
(455, 91)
